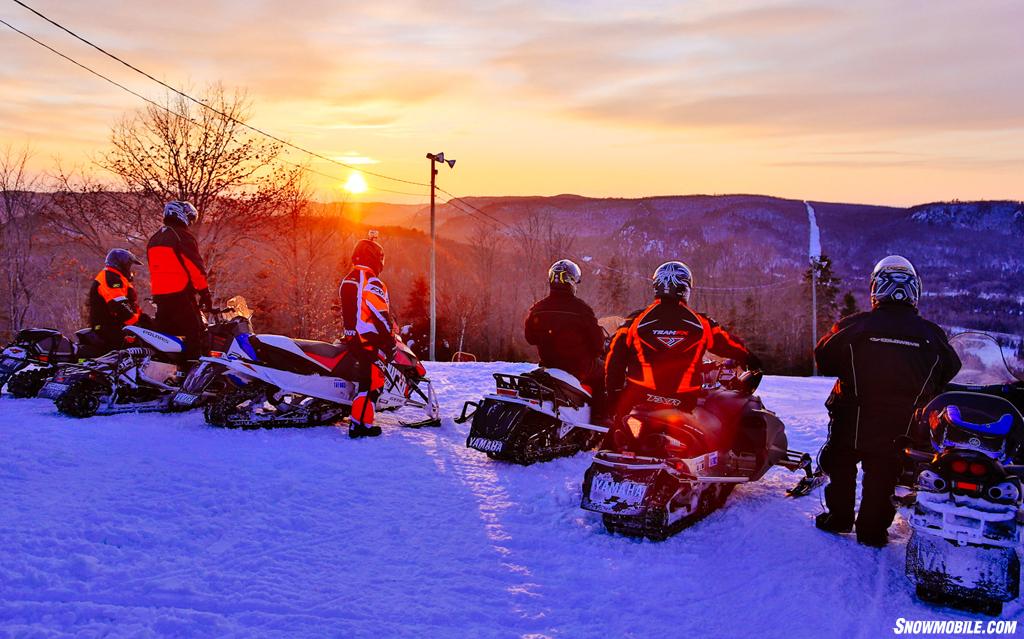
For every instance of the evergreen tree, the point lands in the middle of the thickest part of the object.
(828, 291)
(417, 317)
(614, 288)
(849, 305)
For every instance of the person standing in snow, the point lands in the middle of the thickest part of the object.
(656, 355)
(113, 302)
(888, 361)
(178, 278)
(366, 313)
(566, 333)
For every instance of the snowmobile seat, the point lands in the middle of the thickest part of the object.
(312, 358)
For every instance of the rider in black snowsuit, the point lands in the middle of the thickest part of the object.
(566, 333)
(889, 361)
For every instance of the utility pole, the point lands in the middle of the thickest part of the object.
(435, 158)
(814, 312)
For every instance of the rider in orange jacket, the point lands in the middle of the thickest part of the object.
(113, 302)
(366, 314)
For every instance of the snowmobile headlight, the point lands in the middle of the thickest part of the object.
(635, 426)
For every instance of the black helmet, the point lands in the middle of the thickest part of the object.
(673, 280)
(180, 211)
(565, 274)
(369, 253)
(122, 260)
(895, 280)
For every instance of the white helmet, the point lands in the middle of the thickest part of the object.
(181, 211)
(673, 280)
(565, 274)
(895, 279)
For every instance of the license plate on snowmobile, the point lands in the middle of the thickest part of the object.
(185, 399)
(52, 390)
(614, 496)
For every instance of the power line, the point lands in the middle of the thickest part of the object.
(172, 111)
(200, 102)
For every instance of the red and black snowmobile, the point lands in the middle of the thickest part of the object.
(669, 463)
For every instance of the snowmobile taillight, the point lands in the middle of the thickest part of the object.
(965, 485)
(508, 392)
(979, 470)
(44, 358)
(216, 354)
(959, 467)
(635, 426)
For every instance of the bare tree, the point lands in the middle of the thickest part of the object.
(306, 252)
(19, 235)
(187, 152)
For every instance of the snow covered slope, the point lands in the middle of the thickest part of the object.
(136, 526)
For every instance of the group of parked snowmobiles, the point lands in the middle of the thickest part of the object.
(248, 381)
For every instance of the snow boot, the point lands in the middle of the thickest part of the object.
(828, 523)
(873, 539)
(357, 430)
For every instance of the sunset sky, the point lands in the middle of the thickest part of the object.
(895, 102)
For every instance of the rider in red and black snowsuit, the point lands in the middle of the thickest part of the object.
(366, 313)
(566, 333)
(656, 355)
(888, 361)
(178, 278)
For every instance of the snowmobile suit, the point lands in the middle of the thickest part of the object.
(888, 361)
(565, 332)
(658, 352)
(177, 277)
(366, 313)
(567, 336)
(113, 304)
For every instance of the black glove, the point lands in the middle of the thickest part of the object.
(754, 363)
(206, 300)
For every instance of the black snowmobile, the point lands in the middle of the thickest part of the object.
(965, 510)
(35, 353)
(537, 416)
(142, 377)
(665, 467)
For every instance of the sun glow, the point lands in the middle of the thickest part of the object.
(356, 184)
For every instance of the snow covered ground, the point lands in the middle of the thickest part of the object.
(136, 526)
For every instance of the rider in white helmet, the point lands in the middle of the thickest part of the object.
(887, 360)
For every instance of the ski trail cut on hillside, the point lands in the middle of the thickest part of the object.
(814, 249)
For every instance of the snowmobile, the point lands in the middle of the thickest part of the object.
(142, 377)
(670, 463)
(965, 507)
(537, 416)
(35, 353)
(278, 381)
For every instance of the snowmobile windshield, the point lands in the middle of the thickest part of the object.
(962, 419)
(238, 305)
(983, 361)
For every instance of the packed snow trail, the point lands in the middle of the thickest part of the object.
(157, 525)
(814, 243)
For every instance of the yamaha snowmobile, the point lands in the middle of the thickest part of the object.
(278, 381)
(33, 356)
(142, 377)
(965, 510)
(537, 416)
(666, 467)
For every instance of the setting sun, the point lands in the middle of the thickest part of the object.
(356, 184)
